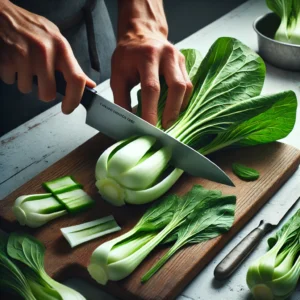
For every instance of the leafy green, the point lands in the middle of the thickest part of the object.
(289, 13)
(226, 109)
(276, 273)
(116, 259)
(213, 216)
(29, 253)
(244, 172)
(11, 277)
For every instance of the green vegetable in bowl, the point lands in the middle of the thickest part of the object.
(22, 270)
(275, 275)
(225, 110)
(244, 172)
(187, 219)
(289, 13)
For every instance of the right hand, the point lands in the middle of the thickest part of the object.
(32, 45)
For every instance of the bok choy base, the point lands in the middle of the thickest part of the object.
(225, 110)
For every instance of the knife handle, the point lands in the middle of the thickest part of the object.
(239, 253)
(61, 88)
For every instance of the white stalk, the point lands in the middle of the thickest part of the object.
(78, 234)
(38, 209)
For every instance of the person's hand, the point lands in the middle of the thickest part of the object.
(143, 53)
(31, 45)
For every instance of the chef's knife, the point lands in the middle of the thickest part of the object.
(118, 123)
(239, 253)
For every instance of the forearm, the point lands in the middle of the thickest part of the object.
(140, 18)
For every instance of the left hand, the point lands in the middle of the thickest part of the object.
(143, 58)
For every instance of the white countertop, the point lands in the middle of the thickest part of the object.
(37, 144)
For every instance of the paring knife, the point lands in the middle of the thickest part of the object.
(118, 123)
(239, 253)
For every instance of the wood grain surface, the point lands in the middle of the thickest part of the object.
(276, 162)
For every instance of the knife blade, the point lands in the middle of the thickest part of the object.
(118, 123)
(240, 252)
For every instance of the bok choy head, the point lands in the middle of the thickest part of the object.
(289, 13)
(276, 274)
(225, 109)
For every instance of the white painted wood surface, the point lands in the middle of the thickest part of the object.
(37, 144)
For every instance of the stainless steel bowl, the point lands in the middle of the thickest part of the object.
(279, 54)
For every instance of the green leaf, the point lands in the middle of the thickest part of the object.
(11, 277)
(230, 74)
(26, 249)
(30, 253)
(212, 216)
(275, 121)
(159, 214)
(244, 172)
(291, 227)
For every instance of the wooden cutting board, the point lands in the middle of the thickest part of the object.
(276, 162)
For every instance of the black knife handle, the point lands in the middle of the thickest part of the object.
(61, 89)
(239, 253)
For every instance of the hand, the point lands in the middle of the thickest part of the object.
(143, 53)
(32, 45)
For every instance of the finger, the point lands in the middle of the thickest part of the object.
(74, 77)
(8, 74)
(25, 77)
(189, 85)
(44, 69)
(150, 91)
(121, 91)
(176, 92)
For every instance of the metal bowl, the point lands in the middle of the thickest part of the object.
(279, 54)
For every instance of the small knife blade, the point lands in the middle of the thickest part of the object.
(241, 251)
(118, 123)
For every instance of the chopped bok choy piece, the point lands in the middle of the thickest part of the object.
(62, 184)
(225, 109)
(118, 258)
(38, 209)
(244, 172)
(78, 234)
(275, 275)
(75, 200)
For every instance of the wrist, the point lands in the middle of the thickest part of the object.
(141, 18)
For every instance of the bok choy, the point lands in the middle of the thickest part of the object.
(22, 270)
(172, 218)
(78, 234)
(67, 196)
(225, 109)
(289, 13)
(275, 275)
(36, 210)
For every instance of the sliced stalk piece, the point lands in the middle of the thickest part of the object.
(38, 209)
(75, 200)
(63, 184)
(78, 234)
